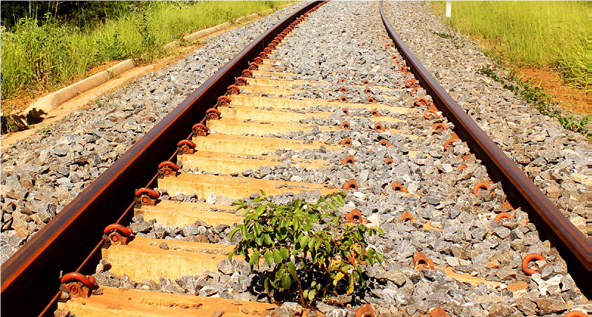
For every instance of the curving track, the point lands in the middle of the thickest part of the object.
(256, 125)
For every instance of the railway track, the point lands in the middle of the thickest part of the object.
(403, 151)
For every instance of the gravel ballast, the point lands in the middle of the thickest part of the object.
(452, 226)
(553, 157)
(42, 174)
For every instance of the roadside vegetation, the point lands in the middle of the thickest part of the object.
(538, 34)
(44, 48)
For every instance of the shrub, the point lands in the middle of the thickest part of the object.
(310, 250)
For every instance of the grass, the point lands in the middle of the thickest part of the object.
(38, 57)
(539, 34)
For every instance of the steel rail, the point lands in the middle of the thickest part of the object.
(571, 243)
(30, 278)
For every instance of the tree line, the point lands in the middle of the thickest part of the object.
(78, 13)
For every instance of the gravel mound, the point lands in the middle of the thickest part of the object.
(552, 157)
(453, 227)
(42, 174)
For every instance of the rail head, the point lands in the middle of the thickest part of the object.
(571, 243)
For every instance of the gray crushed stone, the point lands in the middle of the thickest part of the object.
(452, 226)
(552, 157)
(42, 174)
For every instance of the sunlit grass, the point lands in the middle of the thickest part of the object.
(543, 34)
(37, 58)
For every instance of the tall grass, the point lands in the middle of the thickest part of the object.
(41, 56)
(529, 33)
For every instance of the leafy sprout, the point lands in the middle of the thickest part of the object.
(310, 250)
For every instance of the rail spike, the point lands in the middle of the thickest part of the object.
(350, 185)
(349, 160)
(253, 66)
(233, 90)
(247, 73)
(76, 285)
(213, 114)
(167, 168)
(366, 310)
(355, 215)
(223, 101)
(146, 196)
(117, 234)
(188, 147)
(240, 81)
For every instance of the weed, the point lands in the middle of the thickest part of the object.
(455, 41)
(12, 124)
(537, 97)
(311, 252)
(43, 129)
(442, 35)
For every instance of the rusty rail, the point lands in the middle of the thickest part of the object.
(68, 243)
(571, 243)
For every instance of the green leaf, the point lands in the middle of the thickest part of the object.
(286, 281)
(311, 243)
(285, 253)
(277, 257)
(267, 239)
(339, 200)
(266, 285)
(268, 257)
(243, 229)
(257, 228)
(311, 294)
(230, 254)
(338, 278)
(332, 205)
(260, 210)
(231, 234)
(303, 241)
(379, 257)
(318, 244)
(255, 258)
(358, 235)
(292, 270)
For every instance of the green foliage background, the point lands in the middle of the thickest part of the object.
(46, 45)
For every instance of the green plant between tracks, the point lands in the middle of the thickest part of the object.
(310, 250)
